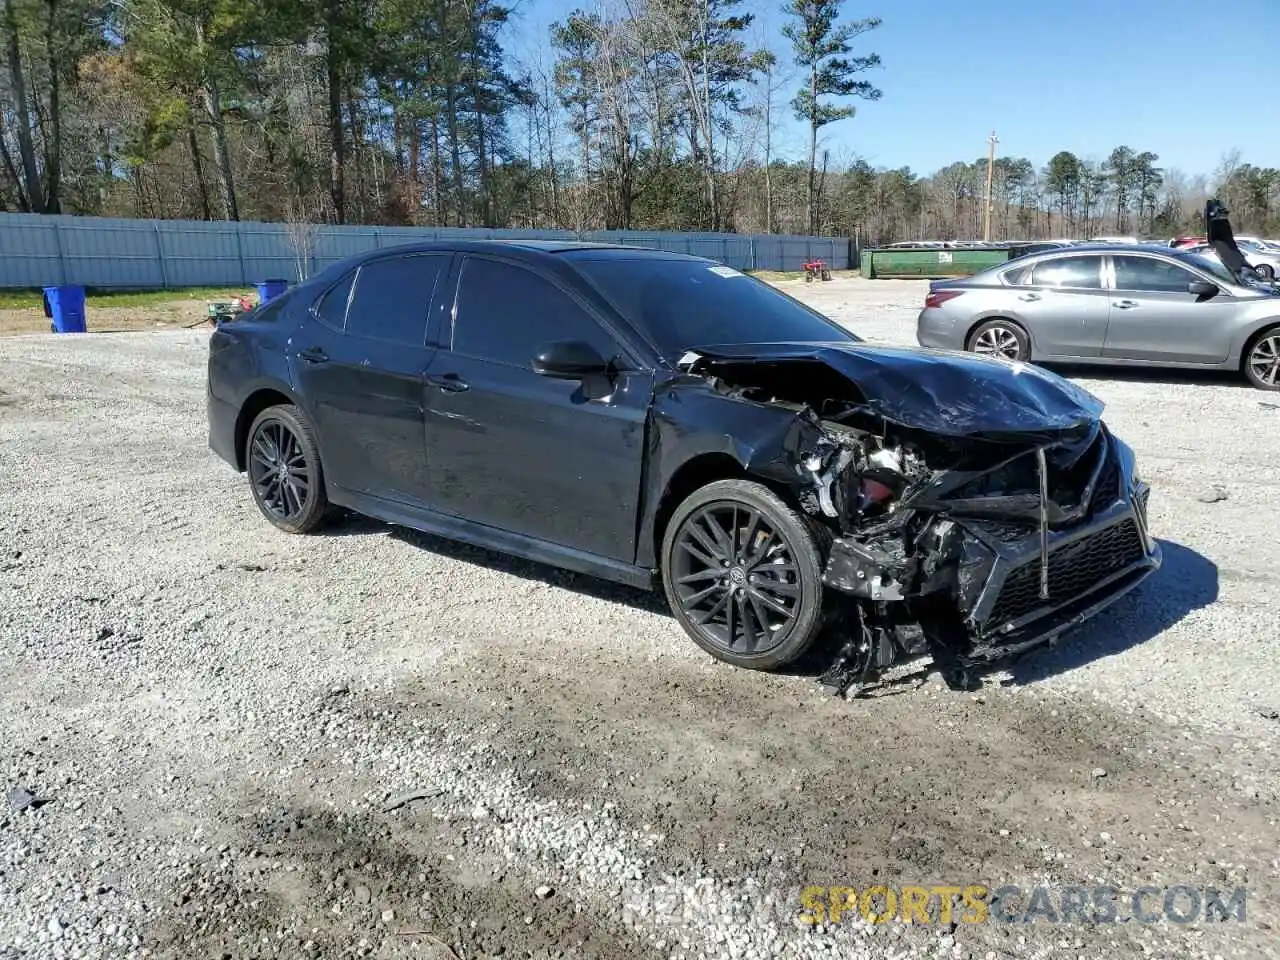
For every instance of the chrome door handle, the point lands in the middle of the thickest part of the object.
(1030, 297)
(314, 355)
(1124, 304)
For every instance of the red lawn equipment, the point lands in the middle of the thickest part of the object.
(816, 269)
(220, 310)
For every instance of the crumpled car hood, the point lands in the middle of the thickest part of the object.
(941, 391)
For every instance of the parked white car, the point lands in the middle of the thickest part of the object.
(1261, 258)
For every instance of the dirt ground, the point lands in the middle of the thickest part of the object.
(112, 319)
(377, 743)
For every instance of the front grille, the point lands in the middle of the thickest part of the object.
(1074, 570)
(1108, 487)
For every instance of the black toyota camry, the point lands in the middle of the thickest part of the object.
(659, 419)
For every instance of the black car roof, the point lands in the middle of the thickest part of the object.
(548, 252)
(516, 245)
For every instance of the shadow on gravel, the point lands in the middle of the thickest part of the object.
(1186, 582)
(648, 601)
(1169, 375)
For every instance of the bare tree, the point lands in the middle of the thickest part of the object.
(302, 238)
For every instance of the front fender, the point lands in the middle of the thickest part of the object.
(691, 421)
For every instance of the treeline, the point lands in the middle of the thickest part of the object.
(664, 115)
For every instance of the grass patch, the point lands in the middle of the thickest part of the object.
(33, 300)
(777, 276)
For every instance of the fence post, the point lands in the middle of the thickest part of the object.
(751, 252)
(160, 261)
(244, 274)
(63, 270)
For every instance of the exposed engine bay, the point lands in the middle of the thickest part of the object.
(966, 524)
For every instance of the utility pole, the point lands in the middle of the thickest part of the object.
(991, 170)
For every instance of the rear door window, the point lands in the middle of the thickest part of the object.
(1081, 273)
(392, 297)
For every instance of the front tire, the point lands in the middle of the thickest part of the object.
(742, 572)
(1000, 338)
(282, 460)
(1262, 360)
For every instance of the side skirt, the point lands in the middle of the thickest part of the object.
(491, 538)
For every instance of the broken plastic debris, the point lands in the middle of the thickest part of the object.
(21, 799)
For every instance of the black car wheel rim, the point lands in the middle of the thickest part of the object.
(735, 578)
(1264, 360)
(279, 470)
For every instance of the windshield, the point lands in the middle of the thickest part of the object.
(689, 303)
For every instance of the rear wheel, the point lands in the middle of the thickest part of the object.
(1262, 360)
(742, 572)
(1000, 338)
(283, 463)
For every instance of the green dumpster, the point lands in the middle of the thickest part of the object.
(902, 262)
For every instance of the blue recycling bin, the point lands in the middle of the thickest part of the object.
(64, 306)
(268, 290)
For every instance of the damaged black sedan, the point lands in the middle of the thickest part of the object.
(658, 419)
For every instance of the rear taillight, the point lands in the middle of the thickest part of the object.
(937, 298)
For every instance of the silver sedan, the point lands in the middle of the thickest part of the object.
(1127, 305)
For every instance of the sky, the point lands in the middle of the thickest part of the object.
(1082, 75)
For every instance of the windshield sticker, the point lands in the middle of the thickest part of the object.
(725, 271)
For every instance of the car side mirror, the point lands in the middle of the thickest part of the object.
(1203, 288)
(569, 360)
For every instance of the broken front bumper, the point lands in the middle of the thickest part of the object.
(1090, 566)
(1012, 590)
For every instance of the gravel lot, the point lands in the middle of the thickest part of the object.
(377, 743)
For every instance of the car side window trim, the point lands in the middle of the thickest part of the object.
(626, 353)
(314, 309)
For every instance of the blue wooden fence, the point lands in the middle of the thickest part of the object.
(103, 253)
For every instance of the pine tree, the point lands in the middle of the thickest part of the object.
(821, 47)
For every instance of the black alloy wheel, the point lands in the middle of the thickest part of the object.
(742, 573)
(283, 463)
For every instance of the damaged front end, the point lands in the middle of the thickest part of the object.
(976, 509)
